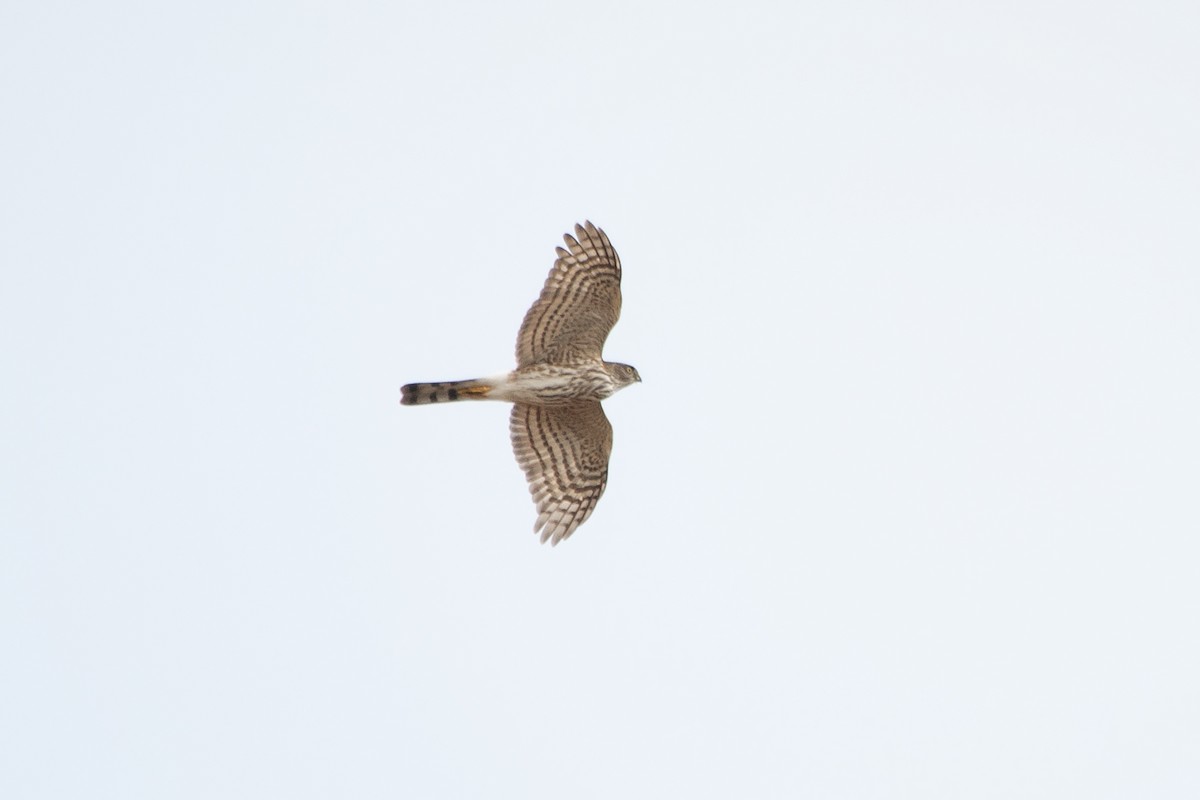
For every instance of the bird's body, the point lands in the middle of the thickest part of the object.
(538, 384)
(560, 435)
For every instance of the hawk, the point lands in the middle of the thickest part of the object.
(560, 435)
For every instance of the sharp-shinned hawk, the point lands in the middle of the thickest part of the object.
(560, 435)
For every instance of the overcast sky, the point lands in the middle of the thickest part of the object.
(906, 506)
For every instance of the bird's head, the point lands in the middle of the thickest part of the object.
(623, 374)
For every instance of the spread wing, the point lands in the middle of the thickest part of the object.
(579, 304)
(564, 452)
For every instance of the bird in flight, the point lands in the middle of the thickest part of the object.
(560, 436)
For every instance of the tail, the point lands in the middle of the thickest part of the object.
(419, 394)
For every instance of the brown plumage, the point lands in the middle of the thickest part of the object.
(560, 435)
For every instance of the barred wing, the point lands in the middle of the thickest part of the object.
(579, 304)
(564, 452)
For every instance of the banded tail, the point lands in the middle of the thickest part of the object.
(419, 394)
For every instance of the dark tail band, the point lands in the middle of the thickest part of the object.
(419, 394)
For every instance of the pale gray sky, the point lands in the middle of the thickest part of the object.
(905, 508)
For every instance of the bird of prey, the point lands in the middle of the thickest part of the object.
(560, 435)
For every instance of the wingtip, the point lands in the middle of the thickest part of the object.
(584, 231)
(551, 531)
